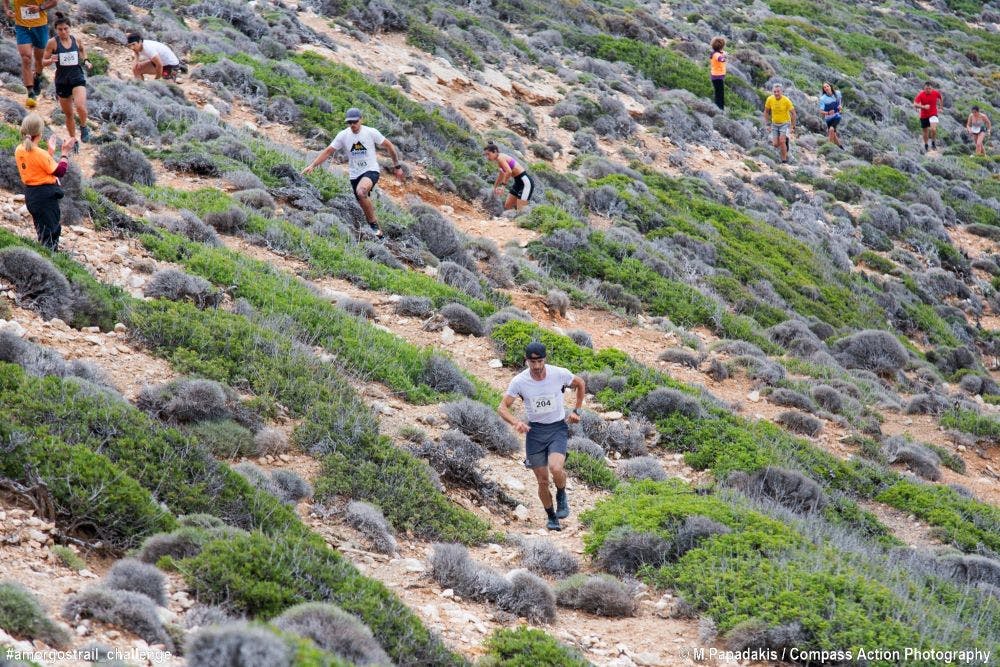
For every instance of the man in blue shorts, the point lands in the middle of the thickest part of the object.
(541, 388)
(31, 27)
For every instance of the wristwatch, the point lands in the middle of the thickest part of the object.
(576, 411)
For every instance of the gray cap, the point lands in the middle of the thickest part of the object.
(352, 115)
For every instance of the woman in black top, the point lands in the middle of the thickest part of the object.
(70, 58)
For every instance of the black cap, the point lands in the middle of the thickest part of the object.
(535, 350)
(133, 37)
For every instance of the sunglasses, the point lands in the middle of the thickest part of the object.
(353, 122)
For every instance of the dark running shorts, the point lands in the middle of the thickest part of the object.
(542, 440)
(523, 187)
(833, 122)
(373, 175)
(925, 123)
(64, 89)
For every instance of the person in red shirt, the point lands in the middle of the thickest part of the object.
(926, 102)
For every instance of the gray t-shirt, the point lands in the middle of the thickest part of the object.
(543, 401)
(360, 149)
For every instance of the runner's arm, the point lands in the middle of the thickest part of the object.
(323, 156)
(6, 8)
(47, 57)
(45, 6)
(794, 117)
(390, 148)
(504, 174)
(581, 391)
(504, 411)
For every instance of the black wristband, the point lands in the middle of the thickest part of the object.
(398, 166)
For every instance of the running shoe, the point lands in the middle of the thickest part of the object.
(31, 102)
(553, 524)
(562, 504)
(84, 133)
(37, 85)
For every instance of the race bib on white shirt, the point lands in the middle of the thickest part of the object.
(69, 58)
(543, 405)
(30, 13)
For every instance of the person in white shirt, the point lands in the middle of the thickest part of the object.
(541, 388)
(152, 57)
(359, 142)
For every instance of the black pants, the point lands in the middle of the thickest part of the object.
(43, 205)
(720, 92)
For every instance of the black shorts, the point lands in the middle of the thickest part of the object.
(833, 122)
(373, 175)
(542, 440)
(64, 89)
(523, 187)
(925, 123)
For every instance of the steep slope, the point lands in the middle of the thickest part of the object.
(786, 271)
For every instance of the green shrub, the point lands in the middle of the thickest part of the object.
(364, 349)
(259, 576)
(591, 471)
(87, 489)
(528, 647)
(766, 571)
(969, 421)
(967, 523)
(68, 557)
(182, 474)
(231, 349)
(23, 616)
(401, 485)
(883, 178)
(225, 439)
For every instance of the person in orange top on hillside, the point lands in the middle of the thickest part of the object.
(717, 66)
(40, 174)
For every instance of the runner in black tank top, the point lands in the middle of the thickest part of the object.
(69, 58)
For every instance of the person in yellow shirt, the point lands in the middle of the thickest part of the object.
(40, 174)
(31, 27)
(779, 113)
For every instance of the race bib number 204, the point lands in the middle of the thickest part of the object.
(541, 405)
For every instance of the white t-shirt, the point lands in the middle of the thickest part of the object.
(152, 48)
(543, 401)
(360, 149)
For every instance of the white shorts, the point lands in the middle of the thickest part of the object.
(933, 120)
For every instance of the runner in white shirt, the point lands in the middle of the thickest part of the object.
(541, 388)
(152, 57)
(359, 142)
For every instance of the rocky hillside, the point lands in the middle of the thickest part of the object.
(235, 430)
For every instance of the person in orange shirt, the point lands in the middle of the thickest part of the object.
(40, 174)
(31, 28)
(718, 71)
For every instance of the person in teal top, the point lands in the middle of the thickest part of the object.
(831, 105)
